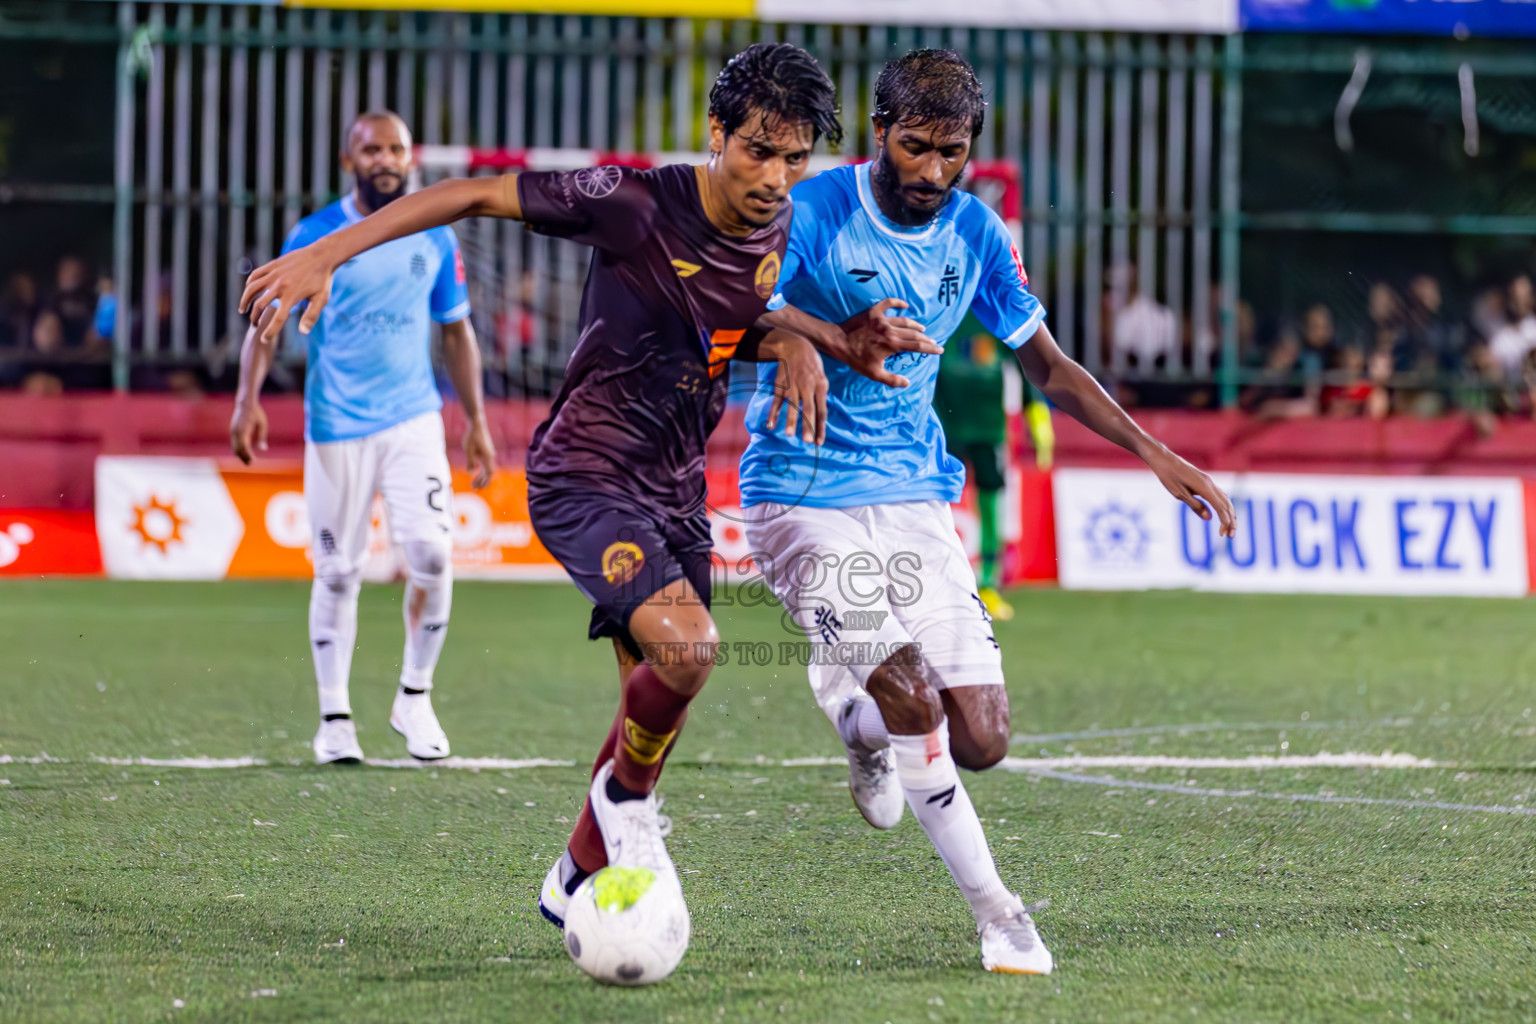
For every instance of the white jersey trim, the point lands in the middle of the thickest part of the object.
(1029, 330)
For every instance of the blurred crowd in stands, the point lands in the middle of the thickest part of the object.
(55, 331)
(56, 335)
(1406, 354)
(1409, 358)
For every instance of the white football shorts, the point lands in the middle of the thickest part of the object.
(406, 465)
(857, 583)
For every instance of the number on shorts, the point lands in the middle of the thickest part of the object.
(437, 488)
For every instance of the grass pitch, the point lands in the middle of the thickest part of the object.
(283, 892)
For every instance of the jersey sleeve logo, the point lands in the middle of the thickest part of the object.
(458, 267)
(1018, 263)
(597, 182)
(767, 276)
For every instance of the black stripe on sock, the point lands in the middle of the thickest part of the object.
(618, 792)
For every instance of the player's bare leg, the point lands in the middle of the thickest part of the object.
(586, 843)
(906, 689)
(620, 822)
(979, 725)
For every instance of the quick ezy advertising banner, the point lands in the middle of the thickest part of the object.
(1120, 530)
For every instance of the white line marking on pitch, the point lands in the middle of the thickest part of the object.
(1044, 767)
(473, 764)
(1308, 798)
(1396, 722)
(1386, 759)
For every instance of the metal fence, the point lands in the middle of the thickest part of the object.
(229, 122)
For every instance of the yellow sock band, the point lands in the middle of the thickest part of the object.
(644, 746)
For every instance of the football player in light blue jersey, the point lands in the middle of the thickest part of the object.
(372, 425)
(855, 536)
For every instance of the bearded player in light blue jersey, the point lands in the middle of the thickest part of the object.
(372, 425)
(862, 524)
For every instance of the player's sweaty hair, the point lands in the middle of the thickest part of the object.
(782, 81)
(931, 88)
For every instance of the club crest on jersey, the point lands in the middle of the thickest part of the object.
(597, 182)
(767, 276)
(949, 285)
(621, 561)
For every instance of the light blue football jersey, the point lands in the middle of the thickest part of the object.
(370, 360)
(883, 444)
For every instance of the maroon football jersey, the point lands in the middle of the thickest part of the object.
(668, 299)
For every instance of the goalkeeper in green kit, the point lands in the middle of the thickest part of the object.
(969, 399)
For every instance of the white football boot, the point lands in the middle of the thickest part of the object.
(556, 894)
(632, 829)
(553, 899)
(1011, 945)
(872, 777)
(413, 717)
(336, 742)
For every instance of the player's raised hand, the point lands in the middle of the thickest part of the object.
(480, 451)
(274, 289)
(800, 387)
(248, 431)
(872, 338)
(1195, 489)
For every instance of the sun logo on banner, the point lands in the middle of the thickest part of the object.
(157, 523)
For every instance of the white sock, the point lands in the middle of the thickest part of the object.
(332, 636)
(429, 595)
(862, 725)
(942, 806)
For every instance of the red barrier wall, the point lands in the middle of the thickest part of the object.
(48, 446)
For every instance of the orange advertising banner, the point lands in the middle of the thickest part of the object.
(170, 518)
(202, 518)
(492, 534)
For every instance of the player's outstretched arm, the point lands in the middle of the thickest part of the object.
(865, 341)
(461, 356)
(248, 425)
(1073, 390)
(304, 275)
